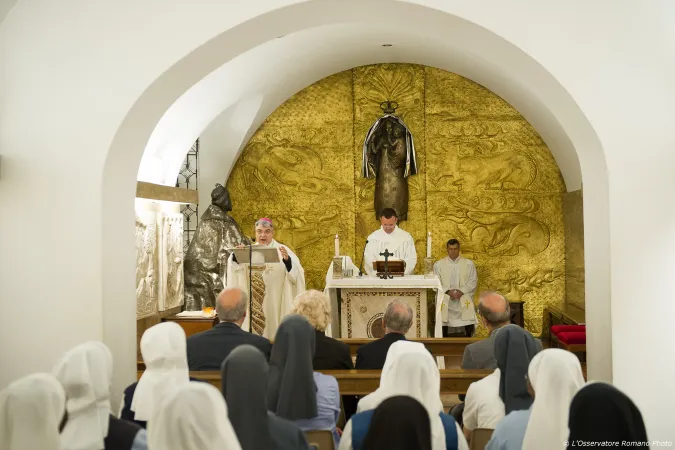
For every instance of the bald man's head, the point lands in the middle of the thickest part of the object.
(231, 305)
(494, 308)
(398, 317)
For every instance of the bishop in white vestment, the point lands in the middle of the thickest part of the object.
(459, 280)
(392, 238)
(274, 285)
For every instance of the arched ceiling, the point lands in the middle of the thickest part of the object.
(258, 81)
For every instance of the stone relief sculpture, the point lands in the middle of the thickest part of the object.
(206, 258)
(389, 156)
(147, 263)
(172, 261)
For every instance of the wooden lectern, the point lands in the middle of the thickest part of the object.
(396, 267)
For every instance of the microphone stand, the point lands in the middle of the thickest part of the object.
(250, 285)
(363, 253)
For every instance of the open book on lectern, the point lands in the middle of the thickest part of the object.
(260, 255)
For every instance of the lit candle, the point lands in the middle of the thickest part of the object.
(429, 245)
(337, 246)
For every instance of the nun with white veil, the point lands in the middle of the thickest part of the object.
(32, 410)
(85, 371)
(164, 352)
(409, 370)
(192, 417)
(555, 377)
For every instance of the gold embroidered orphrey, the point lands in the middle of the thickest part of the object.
(389, 156)
(258, 293)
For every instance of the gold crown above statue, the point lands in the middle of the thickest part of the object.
(389, 107)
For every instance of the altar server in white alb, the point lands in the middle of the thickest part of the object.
(459, 279)
(390, 237)
(274, 285)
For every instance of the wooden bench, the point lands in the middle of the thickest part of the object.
(363, 382)
(436, 346)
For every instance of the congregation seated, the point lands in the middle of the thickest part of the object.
(330, 353)
(397, 320)
(554, 377)
(600, 412)
(207, 350)
(192, 417)
(505, 390)
(165, 358)
(32, 413)
(494, 313)
(399, 423)
(244, 379)
(409, 370)
(85, 372)
(295, 392)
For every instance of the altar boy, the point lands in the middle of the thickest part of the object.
(459, 279)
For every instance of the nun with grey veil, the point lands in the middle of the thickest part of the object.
(311, 400)
(244, 383)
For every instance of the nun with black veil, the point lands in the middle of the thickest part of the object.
(600, 413)
(309, 399)
(244, 384)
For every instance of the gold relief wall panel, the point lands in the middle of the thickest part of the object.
(297, 169)
(493, 184)
(575, 291)
(484, 177)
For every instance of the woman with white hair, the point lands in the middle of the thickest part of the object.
(330, 354)
(163, 348)
(192, 417)
(409, 370)
(554, 377)
(86, 372)
(32, 411)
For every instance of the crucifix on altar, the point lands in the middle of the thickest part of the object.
(386, 274)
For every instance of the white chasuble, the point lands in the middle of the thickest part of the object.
(458, 274)
(281, 288)
(398, 242)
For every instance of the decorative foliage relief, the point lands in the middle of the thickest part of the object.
(485, 177)
(171, 255)
(147, 264)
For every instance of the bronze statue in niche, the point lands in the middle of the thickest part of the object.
(389, 156)
(206, 258)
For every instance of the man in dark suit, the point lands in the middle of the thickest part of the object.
(494, 312)
(208, 349)
(397, 321)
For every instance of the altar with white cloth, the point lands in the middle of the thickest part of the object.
(364, 299)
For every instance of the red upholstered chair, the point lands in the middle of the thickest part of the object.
(573, 341)
(555, 329)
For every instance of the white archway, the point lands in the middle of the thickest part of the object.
(487, 59)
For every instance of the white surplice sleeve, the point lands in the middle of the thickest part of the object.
(410, 255)
(370, 255)
(469, 287)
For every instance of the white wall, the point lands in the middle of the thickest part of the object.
(85, 83)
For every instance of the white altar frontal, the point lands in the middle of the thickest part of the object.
(364, 299)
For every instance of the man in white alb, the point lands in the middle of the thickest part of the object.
(274, 286)
(392, 238)
(459, 279)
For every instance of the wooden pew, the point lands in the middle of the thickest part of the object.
(437, 346)
(363, 382)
